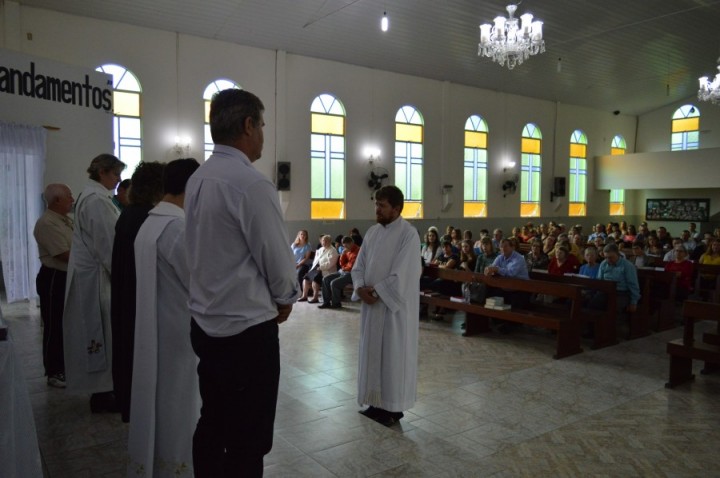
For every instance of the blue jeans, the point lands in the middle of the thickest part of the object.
(333, 285)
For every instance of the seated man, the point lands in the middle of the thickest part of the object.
(624, 273)
(670, 256)
(509, 264)
(333, 284)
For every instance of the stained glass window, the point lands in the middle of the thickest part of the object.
(475, 167)
(685, 128)
(127, 113)
(409, 160)
(530, 169)
(327, 158)
(578, 174)
(212, 88)
(617, 196)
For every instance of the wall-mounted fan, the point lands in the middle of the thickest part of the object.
(376, 178)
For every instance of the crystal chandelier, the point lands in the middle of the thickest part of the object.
(710, 91)
(508, 43)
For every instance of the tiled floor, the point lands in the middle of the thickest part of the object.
(497, 405)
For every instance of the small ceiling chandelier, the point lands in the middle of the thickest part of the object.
(509, 43)
(710, 91)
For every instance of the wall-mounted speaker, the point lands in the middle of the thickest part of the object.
(282, 176)
(559, 187)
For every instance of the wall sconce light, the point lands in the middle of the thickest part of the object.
(372, 154)
(508, 165)
(182, 146)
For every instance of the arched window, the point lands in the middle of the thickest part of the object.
(578, 174)
(617, 196)
(327, 158)
(212, 88)
(530, 169)
(475, 166)
(685, 128)
(127, 111)
(409, 160)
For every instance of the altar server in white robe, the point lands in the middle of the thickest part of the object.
(386, 278)
(165, 400)
(86, 321)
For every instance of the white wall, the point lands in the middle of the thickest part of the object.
(174, 70)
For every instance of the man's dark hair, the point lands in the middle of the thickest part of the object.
(228, 111)
(177, 173)
(147, 186)
(124, 184)
(446, 243)
(611, 248)
(348, 240)
(391, 194)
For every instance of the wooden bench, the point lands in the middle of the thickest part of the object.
(704, 291)
(566, 323)
(683, 351)
(657, 289)
(604, 329)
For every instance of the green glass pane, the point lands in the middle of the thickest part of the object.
(525, 186)
(337, 179)
(468, 185)
(400, 179)
(482, 185)
(536, 187)
(417, 179)
(469, 154)
(482, 156)
(416, 150)
(317, 178)
(337, 144)
(400, 149)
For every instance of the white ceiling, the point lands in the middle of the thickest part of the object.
(627, 55)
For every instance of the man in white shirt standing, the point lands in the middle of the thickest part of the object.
(241, 287)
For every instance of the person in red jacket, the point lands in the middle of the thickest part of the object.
(563, 262)
(685, 268)
(333, 284)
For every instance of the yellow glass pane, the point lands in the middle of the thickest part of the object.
(685, 124)
(474, 139)
(530, 145)
(412, 210)
(207, 111)
(328, 124)
(616, 151)
(529, 209)
(617, 209)
(475, 209)
(126, 104)
(577, 209)
(327, 210)
(408, 132)
(577, 150)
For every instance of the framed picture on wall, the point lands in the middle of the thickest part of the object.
(696, 210)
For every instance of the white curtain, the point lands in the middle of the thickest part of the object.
(22, 164)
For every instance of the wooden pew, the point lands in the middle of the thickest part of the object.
(703, 291)
(683, 351)
(605, 331)
(657, 289)
(567, 323)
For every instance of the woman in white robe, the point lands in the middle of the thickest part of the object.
(86, 322)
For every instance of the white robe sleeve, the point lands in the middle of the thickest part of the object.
(358, 272)
(100, 228)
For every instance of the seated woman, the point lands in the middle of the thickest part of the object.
(326, 260)
(447, 259)
(654, 249)
(536, 258)
(550, 242)
(456, 237)
(563, 262)
(591, 266)
(685, 268)
(712, 258)
(431, 249)
(631, 235)
(303, 253)
(467, 256)
(487, 255)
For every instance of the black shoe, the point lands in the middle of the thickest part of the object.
(371, 412)
(389, 418)
(325, 305)
(103, 402)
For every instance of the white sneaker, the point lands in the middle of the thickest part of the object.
(57, 380)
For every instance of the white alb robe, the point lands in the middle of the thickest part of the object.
(87, 335)
(389, 261)
(165, 401)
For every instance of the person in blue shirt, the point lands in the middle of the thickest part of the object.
(509, 264)
(624, 273)
(591, 266)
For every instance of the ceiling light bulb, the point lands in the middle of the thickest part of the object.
(384, 23)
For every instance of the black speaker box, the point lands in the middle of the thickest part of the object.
(559, 187)
(283, 176)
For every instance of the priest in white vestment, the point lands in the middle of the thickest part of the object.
(386, 277)
(165, 399)
(86, 320)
